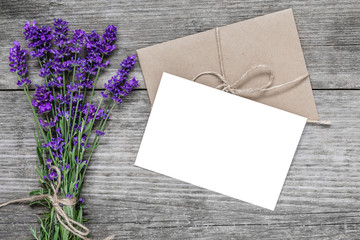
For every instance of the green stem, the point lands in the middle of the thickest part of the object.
(94, 86)
(77, 105)
(53, 92)
(74, 71)
(92, 92)
(93, 121)
(36, 120)
(106, 108)
(95, 141)
(73, 124)
(68, 137)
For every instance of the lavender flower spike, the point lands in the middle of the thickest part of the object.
(99, 133)
(38, 38)
(42, 99)
(17, 63)
(60, 32)
(118, 86)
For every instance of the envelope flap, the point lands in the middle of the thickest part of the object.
(271, 40)
(185, 57)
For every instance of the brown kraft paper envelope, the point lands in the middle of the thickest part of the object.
(270, 40)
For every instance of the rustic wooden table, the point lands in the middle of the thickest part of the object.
(320, 199)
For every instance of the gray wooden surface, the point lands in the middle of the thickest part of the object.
(321, 196)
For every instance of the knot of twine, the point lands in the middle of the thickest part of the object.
(234, 88)
(68, 223)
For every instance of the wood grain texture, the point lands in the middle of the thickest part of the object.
(320, 199)
(329, 30)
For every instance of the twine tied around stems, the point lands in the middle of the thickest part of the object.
(233, 88)
(68, 223)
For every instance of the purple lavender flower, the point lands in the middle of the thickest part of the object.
(100, 133)
(89, 109)
(127, 64)
(72, 87)
(80, 161)
(77, 41)
(62, 100)
(42, 99)
(56, 82)
(83, 139)
(97, 46)
(58, 131)
(78, 97)
(48, 124)
(117, 99)
(69, 196)
(31, 32)
(110, 34)
(52, 175)
(81, 200)
(60, 32)
(38, 38)
(55, 144)
(60, 66)
(82, 69)
(23, 82)
(94, 48)
(17, 63)
(104, 95)
(45, 70)
(87, 84)
(108, 38)
(67, 166)
(17, 59)
(48, 162)
(57, 155)
(104, 114)
(118, 85)
(66, 115)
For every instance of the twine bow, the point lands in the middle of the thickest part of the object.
(234, 88)
(56, 202)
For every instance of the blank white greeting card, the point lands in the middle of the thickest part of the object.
(219, 141)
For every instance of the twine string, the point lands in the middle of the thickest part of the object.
(234, 88)
(57, 203)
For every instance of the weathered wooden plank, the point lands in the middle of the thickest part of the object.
(329, 30)
(320, 199)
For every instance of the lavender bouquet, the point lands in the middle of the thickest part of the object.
(64, 121)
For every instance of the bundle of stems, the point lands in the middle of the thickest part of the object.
(64, 111)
